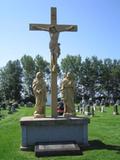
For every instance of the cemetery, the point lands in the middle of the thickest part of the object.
(66, 111)
(103, 136)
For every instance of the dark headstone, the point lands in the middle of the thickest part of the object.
(13, 108)
(9, 109)
(0, 112)
(3, 106)
(115, 109)
(22, 104)
(57, 149)
(88, 110)
(29, 104)
(93, 112)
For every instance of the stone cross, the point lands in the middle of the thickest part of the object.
(54, 29)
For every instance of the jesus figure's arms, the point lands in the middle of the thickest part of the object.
(39, 27)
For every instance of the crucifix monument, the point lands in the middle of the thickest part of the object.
(54, 130)
(54, 30)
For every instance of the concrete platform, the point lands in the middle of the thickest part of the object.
(57, 149)
(50, 130)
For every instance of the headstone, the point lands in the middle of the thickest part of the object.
(22, 104)
(13, 109)
(93, 111)
(115, 109)
(3, 106)
(10, 108)
(29, 104)
(88, 110)
(97, 104)
(83, 106)
(78, 107)
(102, 108)
(111, 101)
(89, 107)
(0, 111)
(94, 106)
(102, 105)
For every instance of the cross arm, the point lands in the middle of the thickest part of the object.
(62, 28)
(39, 27)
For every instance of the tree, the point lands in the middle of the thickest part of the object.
(11, 80)
(28, 65)
(115, 79)
(72, 64)
(91, 74)
(106, 76)
(41, 65)
(4, 89)
(44, 67)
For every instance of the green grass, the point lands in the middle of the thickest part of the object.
(104, 137)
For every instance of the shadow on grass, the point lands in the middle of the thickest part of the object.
(97, 144)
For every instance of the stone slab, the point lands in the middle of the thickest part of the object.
(31, 121)
(55, 149)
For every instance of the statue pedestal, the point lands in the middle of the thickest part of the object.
(50, 130)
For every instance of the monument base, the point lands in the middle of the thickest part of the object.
(49, 130)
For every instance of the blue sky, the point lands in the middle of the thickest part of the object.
(98, 28)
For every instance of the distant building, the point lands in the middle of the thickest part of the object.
(48, 99)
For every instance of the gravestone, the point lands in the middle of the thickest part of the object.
(102, 105)
(93, 111)
(13, 109)
(0, 111)
(88, 110)
(115, 107)
(10, 108)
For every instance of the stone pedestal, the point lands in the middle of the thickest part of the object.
(50, 130)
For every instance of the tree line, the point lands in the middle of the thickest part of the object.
(93, 77)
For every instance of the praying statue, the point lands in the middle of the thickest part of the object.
(67, 89)
(39, 90)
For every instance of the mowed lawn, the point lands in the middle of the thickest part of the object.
(104, 137)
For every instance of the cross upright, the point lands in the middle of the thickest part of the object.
(54, 29)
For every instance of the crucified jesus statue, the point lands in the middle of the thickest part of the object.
(54, 30)
(54, 45)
